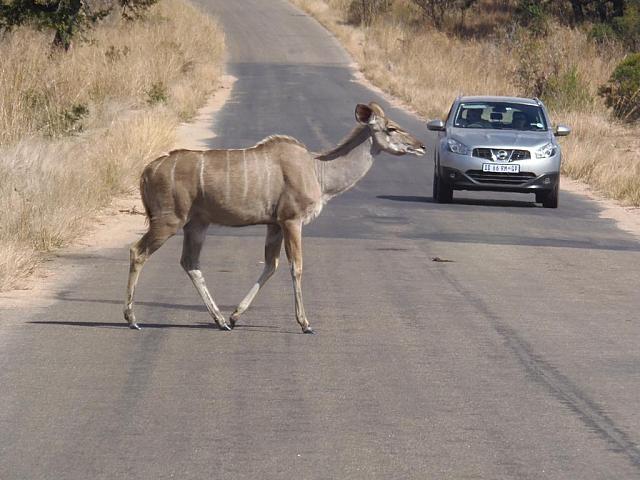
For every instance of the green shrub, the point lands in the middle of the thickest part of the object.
(627, 27)
(157, 93)
(602, 33)
(567, 91)
(624, 28)
(537, 63)
(71, 118)
(543, 70)
(533, 15)
(622, 91)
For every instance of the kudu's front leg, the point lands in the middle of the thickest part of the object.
(293, 246)
(272, 247)
(194, 235)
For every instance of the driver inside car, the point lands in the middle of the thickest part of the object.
(474, 118)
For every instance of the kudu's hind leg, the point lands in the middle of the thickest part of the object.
(194, 236)
(272, 247)
(159, 232)
(293, 247)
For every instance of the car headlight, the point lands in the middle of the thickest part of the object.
(546, 151)
(457, 147)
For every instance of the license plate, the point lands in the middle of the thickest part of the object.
(500, 168)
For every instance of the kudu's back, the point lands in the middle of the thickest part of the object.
(237, 187)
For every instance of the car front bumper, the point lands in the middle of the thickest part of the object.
(464, 172)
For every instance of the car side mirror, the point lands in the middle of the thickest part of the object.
(436, 125)
(562, 131)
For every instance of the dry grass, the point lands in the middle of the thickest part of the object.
(130, 84)
(428, 69)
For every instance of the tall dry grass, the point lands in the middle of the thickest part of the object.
(77, 128)
(427, 69)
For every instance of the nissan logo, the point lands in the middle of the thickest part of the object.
(502, 155)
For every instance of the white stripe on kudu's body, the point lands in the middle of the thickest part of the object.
(280, 184)
(201, 175)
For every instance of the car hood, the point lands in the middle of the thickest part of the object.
(499, 138)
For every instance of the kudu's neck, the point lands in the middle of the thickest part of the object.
(342, 167)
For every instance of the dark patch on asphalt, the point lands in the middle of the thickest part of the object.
(443, 260)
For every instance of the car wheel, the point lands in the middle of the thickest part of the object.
(442, 191)
(550, 200)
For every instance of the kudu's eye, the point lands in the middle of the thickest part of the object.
(392, 129)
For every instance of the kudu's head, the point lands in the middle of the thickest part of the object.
(386, 134)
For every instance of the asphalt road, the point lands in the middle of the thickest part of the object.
(518, 359)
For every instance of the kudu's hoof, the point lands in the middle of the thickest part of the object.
(232, 320)
(225, 327)
(308, 330)
(130, 319)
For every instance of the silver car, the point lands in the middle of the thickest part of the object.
(500, 144)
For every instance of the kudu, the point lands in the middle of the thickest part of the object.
(277, 182)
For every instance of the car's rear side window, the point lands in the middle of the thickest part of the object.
(500, 116)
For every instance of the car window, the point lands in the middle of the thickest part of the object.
(500, 116)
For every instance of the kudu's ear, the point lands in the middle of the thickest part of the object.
(377, 109)
(364, 114)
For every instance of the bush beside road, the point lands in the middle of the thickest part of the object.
(77, 126)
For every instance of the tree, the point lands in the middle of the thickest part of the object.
(622, 92)
(627, 26)
(64, 17)
(596, 10)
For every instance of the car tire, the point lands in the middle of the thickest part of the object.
(442, 191)
(550, 200)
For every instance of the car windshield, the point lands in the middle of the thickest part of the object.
(500, 116)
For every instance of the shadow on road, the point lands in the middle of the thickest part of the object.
(63, 297)
(461, 201)
(494, 203)
(174, 306)
(143, 326)
(122, 324)
(406, 198)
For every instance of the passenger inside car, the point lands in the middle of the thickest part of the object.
(519, 121)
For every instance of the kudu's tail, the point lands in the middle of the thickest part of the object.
(143, 195)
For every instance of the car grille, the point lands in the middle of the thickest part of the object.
(490, 153)
(501, 178)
